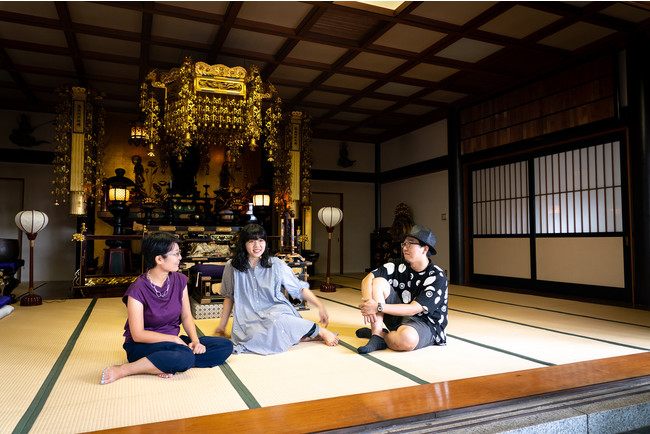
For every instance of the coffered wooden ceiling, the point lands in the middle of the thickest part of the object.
(363, 73)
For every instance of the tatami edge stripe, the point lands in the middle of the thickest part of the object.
(552, 311)
(385, 365)
(554, 331)
(527, 325)
(521, 356)
(489, 347)
(236, 383)
(34, 409)
(239, 386)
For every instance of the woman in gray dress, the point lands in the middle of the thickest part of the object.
(264, 320)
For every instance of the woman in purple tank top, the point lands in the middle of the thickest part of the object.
(157, 304)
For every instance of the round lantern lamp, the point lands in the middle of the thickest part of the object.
(118, 196)
(31, 222)
(329, 216)
(261, 196)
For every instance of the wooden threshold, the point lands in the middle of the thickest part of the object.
(409, 402)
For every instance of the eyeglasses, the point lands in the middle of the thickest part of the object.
(172, 254)
(409, 244)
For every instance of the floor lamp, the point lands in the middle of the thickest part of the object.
(330, 217)
(31, 222)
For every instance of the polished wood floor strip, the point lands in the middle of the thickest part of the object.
(409, 402)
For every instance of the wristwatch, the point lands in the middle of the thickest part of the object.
(379, 307)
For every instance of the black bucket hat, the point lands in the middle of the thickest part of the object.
(424, 235)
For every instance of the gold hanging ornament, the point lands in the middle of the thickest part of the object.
(204, 106)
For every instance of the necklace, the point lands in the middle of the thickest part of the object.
(158, 293)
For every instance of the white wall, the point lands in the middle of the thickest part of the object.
(325, 155)
(358, 205)
(428, 198)
(420, 145)
(358, 223)
(54, 252)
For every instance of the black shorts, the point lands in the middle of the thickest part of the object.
(420, 324)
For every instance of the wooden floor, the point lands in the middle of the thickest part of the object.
(410, 402)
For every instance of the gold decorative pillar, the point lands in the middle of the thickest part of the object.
(292, 181)
(79, 135)
(77, 200)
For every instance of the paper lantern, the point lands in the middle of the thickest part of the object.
(329, 216)
(31, 222)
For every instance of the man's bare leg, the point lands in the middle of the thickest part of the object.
(142, 366)
(380, 290)
(405, 338)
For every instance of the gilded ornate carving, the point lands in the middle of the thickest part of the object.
(207, 106)
(79, 122)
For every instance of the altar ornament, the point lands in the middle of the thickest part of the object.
(31, 222)
(292, 165)
(329, 216)
(261, 196)
(118, 195)
(138, 136)
(79, 138)
(205, 106)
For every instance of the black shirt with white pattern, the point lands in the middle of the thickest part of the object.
(427, 287)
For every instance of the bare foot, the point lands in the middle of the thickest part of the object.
(165, 375)
(308, 339)
(331, 339)
(110, 374)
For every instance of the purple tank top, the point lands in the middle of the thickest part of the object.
(161, 314)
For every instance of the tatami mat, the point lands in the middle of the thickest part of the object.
(78, 403)
(489, 332)
(31, 340)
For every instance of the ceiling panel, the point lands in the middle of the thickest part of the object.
(576, 36)
(458, 13)
(363, 76)
(469, 50)
(409, 38)
(36, 35)
(99, 15)
(519, 22)
(175, 28)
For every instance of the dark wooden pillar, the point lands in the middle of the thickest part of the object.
(638, 92)
(456, 202)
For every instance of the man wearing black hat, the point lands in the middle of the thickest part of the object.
(409, 296)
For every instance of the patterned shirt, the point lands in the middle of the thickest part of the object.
(427, 287)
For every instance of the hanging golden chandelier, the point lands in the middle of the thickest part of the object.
(206, 106)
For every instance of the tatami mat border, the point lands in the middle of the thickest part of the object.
(500, 350)
(32, 412)
(529, 325)
(393, 368)
(522, 356)
(245, 394)
(575, 335)
(553, 311)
